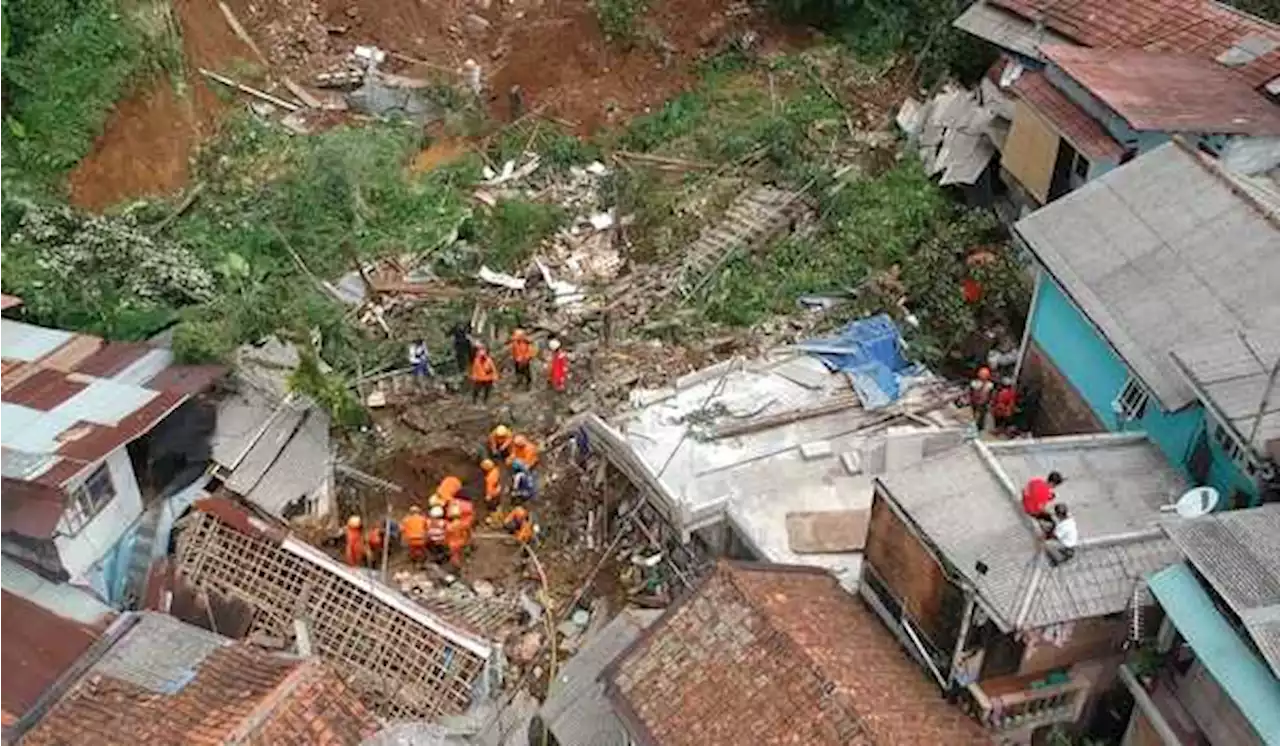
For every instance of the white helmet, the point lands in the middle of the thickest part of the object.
(554, 344)
(437, 512)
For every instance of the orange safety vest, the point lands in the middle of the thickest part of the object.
(483, 370)
(375, 539)
(355, 546)
(449, 489)
(414, 528)
(522, 350)
(492, 485)
(527, 453)
(436, 529)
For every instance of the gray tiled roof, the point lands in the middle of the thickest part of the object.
(1238, 552)
(1234, 375)
(1159, 253)
(1115, 487)
(576, 710)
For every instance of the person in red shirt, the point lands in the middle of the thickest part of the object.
(558, 371)
(1004, 405)
(1037, 495)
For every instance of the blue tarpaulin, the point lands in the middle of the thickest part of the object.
(869, 351)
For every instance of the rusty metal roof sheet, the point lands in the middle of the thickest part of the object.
(1200, 27)
(1165, 92)
(43, 390)
(9, 301)
(36, 647)
(1084, 132)
(112, 358)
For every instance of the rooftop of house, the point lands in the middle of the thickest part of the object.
(37, 646)
(1163, 252)
(1238, 553)
(1083, 131)
(1233, 376)
(576, 710)
(966, 502)
(163, 681)
(771, 654)
(274, 443)
(1168, 92)
(1244, 44)
(713, 464)
(68, 401)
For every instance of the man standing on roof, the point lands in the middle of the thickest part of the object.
(981, 390)
(523, 351)
(484, 374)
(1064, 538)
(1037, 495)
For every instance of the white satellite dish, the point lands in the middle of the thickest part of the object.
(1197, 501)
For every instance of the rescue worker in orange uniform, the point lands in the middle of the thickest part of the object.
(484, 373)
(355, 552)
(522, 449)
(414, 531)
(437, 535)
(492, 483)
(458, 530)
(523, 352)
(500, 442)
(376, 539)
(520, 524)
(446, 491)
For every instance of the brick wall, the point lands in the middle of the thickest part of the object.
(1061, 409)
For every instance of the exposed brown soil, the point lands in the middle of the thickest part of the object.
(146, 147)
(420, 472)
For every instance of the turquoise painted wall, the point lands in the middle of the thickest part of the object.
(1083, 355)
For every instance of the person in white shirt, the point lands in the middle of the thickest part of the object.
(1062, 542)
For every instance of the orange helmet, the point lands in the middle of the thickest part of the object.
(450, 485)
(984, 374)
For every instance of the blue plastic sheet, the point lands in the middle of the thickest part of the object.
(870, 352)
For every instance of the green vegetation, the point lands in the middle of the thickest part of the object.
(66, 64)
(514, 229)
(620, 19)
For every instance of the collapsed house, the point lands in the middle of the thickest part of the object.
(958, 571)
(773, 459)
(153, 679)
(271, 445)
(404, 661)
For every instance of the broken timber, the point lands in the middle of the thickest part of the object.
(403, 661)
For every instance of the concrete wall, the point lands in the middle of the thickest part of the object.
(96, 538)
(1077, 351)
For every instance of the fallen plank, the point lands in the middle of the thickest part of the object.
(289, 105)
(668, 160)
(827, 531)
(303, 94)
(239, 31)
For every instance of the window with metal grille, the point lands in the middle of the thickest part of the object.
(1131, 402)
(88, 500)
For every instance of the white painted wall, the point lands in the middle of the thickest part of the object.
(96, 538)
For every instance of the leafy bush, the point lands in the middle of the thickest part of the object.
(100, 273)
(514, 229)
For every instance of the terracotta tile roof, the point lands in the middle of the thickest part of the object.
(1200, 27)
(767, 654)
(36, 647)
(1168, 92)
(235, 694)
(1084, 132)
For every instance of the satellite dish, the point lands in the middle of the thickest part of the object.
(1197, 501)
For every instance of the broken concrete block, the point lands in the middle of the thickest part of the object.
(852, 462)
(815, 450)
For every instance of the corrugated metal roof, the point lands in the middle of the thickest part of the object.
(112, 358)
(9, 301)
(43, 390)
(1233, 374)
(1168, 92)
(576, 709)
(1083, 131)
(1160, 253)
(1115, 486)
(1239, 554)
(1005, 29)
(19, 341)
(1200, 27)
(37, 647)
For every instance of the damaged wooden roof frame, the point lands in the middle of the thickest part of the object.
(402, 660)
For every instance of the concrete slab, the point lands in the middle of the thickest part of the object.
(813, 532)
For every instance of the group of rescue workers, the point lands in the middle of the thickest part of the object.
(445, 531)
(474, 358)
